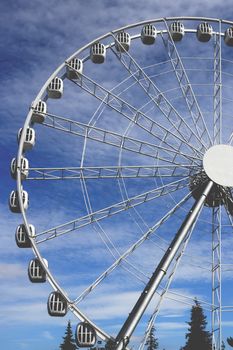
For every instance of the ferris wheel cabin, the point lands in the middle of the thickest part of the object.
(36, 272)
(204, 32)
(30, 138)
(55, 88)
(176, 30)
(74, 69)
(98, 53)
(148, 34)
(122, 41)
(38, 115)
(21, 236)
(56, 305)
(23, 170)
(228, 37)
(14, 201)
(85, 335)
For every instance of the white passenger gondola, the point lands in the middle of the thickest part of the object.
(21, 236)
(23, 170)
(57, 305)
(36, 272)
(55, 88)
(30, 138)
(14, 201)
(85, 335)
(148, 34)
(74, 68)
(204, 32)
(228, 37)
(176, 30)
(122, 41)
(38, 114)
(98, 53)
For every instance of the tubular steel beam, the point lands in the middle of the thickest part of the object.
(135, 315)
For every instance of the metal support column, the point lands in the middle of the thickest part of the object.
(217, 87)
(216, 280)
(216, 219)
(134, 317)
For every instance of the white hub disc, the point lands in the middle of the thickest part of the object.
(218, 164)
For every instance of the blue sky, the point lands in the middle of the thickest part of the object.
(37, 37)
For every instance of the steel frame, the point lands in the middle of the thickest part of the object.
(42, 94)
(216, 280)
(111, 210)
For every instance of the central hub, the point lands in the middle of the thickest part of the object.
(218, 167)
(218, 164)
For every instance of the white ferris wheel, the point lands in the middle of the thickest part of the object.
(126, 155)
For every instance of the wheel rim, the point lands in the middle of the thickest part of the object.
(125, 192)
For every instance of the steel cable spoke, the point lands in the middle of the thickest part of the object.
(130, 112)
(186, 88)
(131, 249)
(156, 96)
(111, 210)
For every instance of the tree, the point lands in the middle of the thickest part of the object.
(69, 342)
(197, 336)
(152, 342)
(110, 345)
(230, 341)
(223, 346)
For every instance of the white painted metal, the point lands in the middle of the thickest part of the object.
(148, 34)
(98, 53)
(38, 115)
(21, 236)
(228, 37)
(42, 95)
(74, 68)
(55, 88)
(14, 201)
(218, 164)
(29, 138)
(85, 335)
(204, 31)
(177, 31)
(134, 317)
(57, 304)
(24, 168)
(123, 41)
(36, 273)
(111, 210)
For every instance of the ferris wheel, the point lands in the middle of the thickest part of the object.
(126, 155)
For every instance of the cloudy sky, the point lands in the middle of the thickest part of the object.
(36, 37)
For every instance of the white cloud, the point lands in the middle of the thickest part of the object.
(47, 335)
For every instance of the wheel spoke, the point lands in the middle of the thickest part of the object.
(186, 88)
(132, 248)
(109, 172)
(115, 139)
(157, 97)
(112, 210)
(160, 132)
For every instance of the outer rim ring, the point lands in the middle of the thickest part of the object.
(102, 334)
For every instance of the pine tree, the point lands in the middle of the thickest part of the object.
(110, 345)
(197, 336)
(152, 342)
(69, 342)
